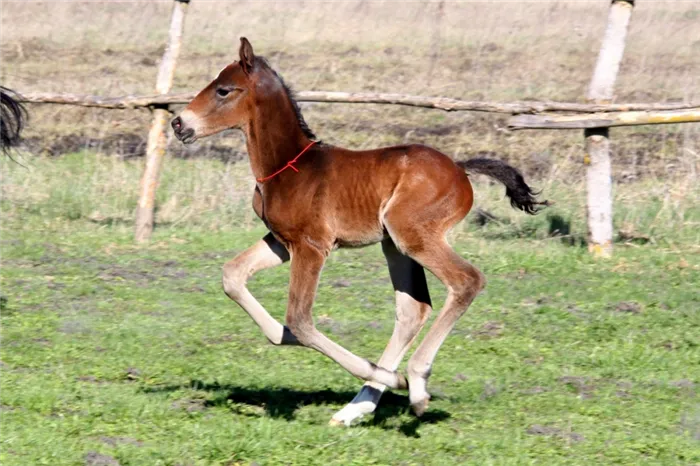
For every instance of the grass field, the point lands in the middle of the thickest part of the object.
(118, 354)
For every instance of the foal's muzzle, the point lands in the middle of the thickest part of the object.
(186, 135)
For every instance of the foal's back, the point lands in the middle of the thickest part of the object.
(352, 191)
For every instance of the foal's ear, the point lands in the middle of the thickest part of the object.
(246, 55)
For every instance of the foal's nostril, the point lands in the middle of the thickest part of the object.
(177, 124)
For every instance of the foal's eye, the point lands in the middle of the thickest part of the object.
(223, 92)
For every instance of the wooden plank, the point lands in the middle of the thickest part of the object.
(155, 149)
(439, 103)
(603, 120)
(597, 143)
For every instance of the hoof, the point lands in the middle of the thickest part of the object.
(346, 421)
(336, 423)
(420, 407)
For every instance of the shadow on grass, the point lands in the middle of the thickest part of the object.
(284, 402)
(556, 226)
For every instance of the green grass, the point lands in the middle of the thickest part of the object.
(134, 353)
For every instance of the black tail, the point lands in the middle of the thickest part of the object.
(12, 118)
(521, 195)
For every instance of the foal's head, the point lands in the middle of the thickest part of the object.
(231, 100)
(225, 103)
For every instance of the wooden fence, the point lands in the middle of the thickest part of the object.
(594, 117)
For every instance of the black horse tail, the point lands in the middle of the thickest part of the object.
(521, 196)
(13, 115)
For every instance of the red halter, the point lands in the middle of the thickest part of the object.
(290, 164)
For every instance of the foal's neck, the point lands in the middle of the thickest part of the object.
(273, 135)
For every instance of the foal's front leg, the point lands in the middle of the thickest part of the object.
(265, 254)
(307, 262)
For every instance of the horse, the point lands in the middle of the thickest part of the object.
(315, 197)
(12, 118)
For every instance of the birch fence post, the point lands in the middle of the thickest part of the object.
(155, 150)
(597, 142)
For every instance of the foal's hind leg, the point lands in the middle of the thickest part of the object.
(266, 253)
(421, 211)
(463, 282)
(412, 310)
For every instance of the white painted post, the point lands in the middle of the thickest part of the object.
(155, 150)
(597, 146)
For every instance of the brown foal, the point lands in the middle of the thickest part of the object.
(314, 197)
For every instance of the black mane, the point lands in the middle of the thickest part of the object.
(290, 94)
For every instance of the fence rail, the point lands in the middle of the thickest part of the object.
(603, 120)
(439, 103)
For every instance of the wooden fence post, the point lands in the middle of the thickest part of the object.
(155, 150)
(599, 175)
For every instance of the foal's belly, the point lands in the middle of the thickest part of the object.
(358, 233)
(360, 240)
(356, 218)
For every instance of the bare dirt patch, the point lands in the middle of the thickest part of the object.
(690, 423)
(549, 431)
(132, 374)
(94, 458)
(536, 390)
(89, 379)
(125, 146)
(115, 441)
(191, 405)
(582, 386)
(489, 330)
(341, 283)
(490, 390)
(143, 272)
(628, 307)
